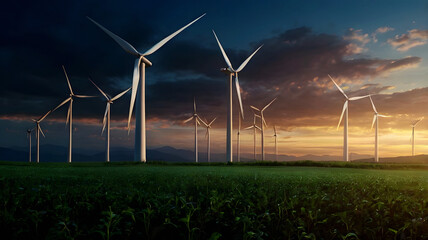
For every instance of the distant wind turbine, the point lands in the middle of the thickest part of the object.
(106, 119)
(276, 145)
(197, 122)
(376, 119)
(254, 127)
(29, 131)
(413, 125)
(70, 112)
(238, 139)
(263, 123)
(345, 123)
(138, 86)
(38, 131)
(232, 72)
(208, 136)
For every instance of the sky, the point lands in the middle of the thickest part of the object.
(369, 47)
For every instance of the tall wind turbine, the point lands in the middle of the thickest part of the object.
(254, 127)
(208, 136)
(139, 85)
(106, 119)
(276, 143)
(345, 123)
(29, 131)
(197, 122)
(413, 125)
(376, 119)
(238, 140)
(232, 72)
(70, 113)
(263, 123)
(38, 131)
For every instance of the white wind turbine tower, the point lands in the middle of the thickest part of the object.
(139, 85)
(254, 127)
(232, 72)
(208, 136)
(345, 123)
(376, 119)
(263, 123)
(276, 143)
(29, 131)
(70, 113)
(413, 125)
(106, 119)
(38, 131)
(197, 121)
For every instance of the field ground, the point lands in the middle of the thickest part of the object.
(239, 201)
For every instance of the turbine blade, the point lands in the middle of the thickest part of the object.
(64, 102)
(194, 105)
(223, 53)
(338, 86)
(135, 82)
(263, 119)
(274, 129)
(99, 89)
(269, 104)
(44, 116)
(197, 116)
(385, 116)
(41, 131)
(212, 121)
(124, 44)
(358, 98)
(68, 81)
(255, 108)
(248, 59)
(374, 108)
(165, 40)
(120, 94)
(187, 120)
(250, 127)
(84, 96)
(238, 92)
(258, 128)
(345, 106)
(105, 117)
(374, 120)
(68, 114)
(206, 134)
(418, 121)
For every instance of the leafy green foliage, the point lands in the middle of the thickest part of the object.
(151, 201)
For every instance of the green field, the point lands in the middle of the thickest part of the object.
(154, 201)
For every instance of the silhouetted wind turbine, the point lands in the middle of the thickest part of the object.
(29, 131)
(345, 123)
(208, 136)
(138, 81)
(376, 119)
(38, 131)
(413, 125)
(254, 127)
(197, 121)
(232, 72)
(106, 119)
(276, 147)
(263, 123)
(70, 113)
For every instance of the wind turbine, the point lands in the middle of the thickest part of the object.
(208, 136)
(232, 72)
(70, 112)
(38, 131)
(413, 125)
(254, 127)
(376, 119)
(106, 119)
(197, 121)
(139, 85)
(345, 123)
(276, 143)
(238, 140)
(263, 122)
(29, 131)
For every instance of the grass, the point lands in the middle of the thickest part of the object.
(217, 201)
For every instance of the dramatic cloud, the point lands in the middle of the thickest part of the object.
(381, 30)
(409, 40)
